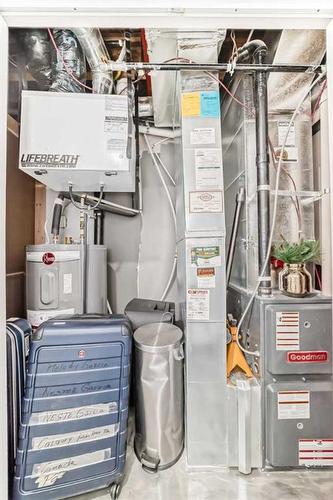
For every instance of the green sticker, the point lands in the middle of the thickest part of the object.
(206, 256)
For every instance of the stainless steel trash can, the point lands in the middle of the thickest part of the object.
(159, 416)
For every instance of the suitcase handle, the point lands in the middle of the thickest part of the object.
(90, 316)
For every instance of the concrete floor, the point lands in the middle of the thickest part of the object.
(178, 484)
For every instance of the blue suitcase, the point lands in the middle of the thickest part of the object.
(18, 332)
(73, 430)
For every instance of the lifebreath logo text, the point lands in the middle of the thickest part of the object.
(33, 160)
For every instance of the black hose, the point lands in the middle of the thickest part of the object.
(250, 49)
(57, 211)
(262, 164)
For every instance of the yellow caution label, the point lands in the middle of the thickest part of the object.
(191, 104)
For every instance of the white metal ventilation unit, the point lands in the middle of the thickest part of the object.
(77, 139)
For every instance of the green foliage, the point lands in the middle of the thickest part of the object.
(297, 253)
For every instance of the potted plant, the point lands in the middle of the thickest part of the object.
(294, 279)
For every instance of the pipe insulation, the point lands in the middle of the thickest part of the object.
(53, 70)
(56, 218)
(36, 52)
(97, 56)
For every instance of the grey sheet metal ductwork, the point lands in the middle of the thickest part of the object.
(200, 46)
(95, 51)
(70, 54)
(304, 46)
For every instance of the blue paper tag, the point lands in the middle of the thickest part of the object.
(210, 104)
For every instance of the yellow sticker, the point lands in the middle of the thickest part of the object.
(191, 104)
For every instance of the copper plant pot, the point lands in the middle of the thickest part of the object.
(295, 280)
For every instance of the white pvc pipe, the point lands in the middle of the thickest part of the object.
(173, 211)
(173, 182)
(160, 132)
(172, 274)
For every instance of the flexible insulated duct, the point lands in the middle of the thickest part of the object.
(36, 50)
(54, 70)
(95, 51)
(68, 62)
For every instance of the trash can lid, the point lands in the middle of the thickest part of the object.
(158, 337)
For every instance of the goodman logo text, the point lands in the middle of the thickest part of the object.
(35, 160)
(307, 357)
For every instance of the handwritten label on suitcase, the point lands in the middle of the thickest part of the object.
(47, 473)
(70, 438)
(67, 414)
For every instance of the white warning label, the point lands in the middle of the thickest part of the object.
(197, 304)
(208, 168)
(206, 201)
(293, 404)
(287, 331)
(283, 128)
(116, 128)
(202, 136)
(315, 452)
